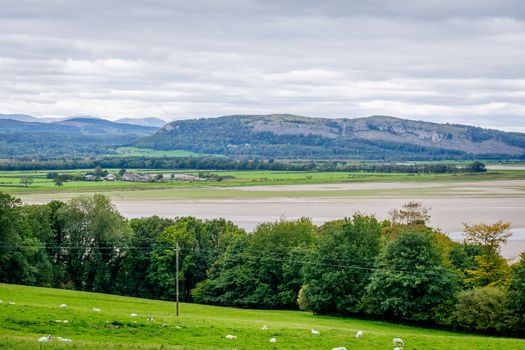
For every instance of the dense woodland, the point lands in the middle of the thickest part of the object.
(398, 270)
(223, 163)
(73, 137)
(270, 145)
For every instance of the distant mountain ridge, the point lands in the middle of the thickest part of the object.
(95, 126)
(21, 118)
(148, 121)
(75, 136)
(79, 125)
(375, 137)
(281, 136)
(151, 121)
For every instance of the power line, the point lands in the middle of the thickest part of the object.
(361, 266)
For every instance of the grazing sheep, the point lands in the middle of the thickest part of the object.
(315, 332)
(134, 315)
(1, 301)
(398, 348)
(63, 306)
(341, 348)
(359, 334)
(96, 309)
(164, 325)
(398, 341)
(150, 319)
(11, 303)
(229, 336)
(46, 339)
(273, 340)
(264, 328)
(64, 340)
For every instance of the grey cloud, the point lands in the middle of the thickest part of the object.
(445, 61)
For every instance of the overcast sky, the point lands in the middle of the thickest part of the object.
(437, 60)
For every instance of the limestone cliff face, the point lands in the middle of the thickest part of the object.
(333, 136)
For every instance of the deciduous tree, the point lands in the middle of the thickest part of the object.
(492, 270)
(339, 266)
(26, 181)
(410, 280)
(517, 296)
(97, 235)
(411, 213)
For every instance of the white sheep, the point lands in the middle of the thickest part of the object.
(1, 301)
(273, 340)
(150, 319)
(229, 336)
(96, 309)
(264, 328)
(11, 303)
(359, 334)
(341, 348)
(134, 315)
(315, 332)
(164, 325)
(398, 341)
(64, 340)
(398, 348)
(63, 306)
(46, 339)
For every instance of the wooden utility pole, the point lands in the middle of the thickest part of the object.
(177, 275)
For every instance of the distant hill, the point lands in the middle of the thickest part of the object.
(151, 122)
(72, 137)
(99, 127)
(154, 122)
(20, 117)
(374, 138)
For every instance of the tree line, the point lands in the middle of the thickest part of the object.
(398, 270)
(223, 163)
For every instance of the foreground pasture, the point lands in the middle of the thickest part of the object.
(37, 310)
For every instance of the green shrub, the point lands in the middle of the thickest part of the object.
(482, 309)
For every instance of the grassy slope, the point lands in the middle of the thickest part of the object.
(146, 152)
(199, 326)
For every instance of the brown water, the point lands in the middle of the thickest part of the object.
(452, 204)
(447, 213)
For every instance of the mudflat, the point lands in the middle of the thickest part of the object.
(448, 214)
(451, 203)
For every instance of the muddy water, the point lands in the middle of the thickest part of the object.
(449, 214)
(451, 204)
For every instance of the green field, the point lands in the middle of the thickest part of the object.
(146, 152)
(10, 182)
(199, 327)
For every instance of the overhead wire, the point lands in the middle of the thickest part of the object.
(285, 257)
